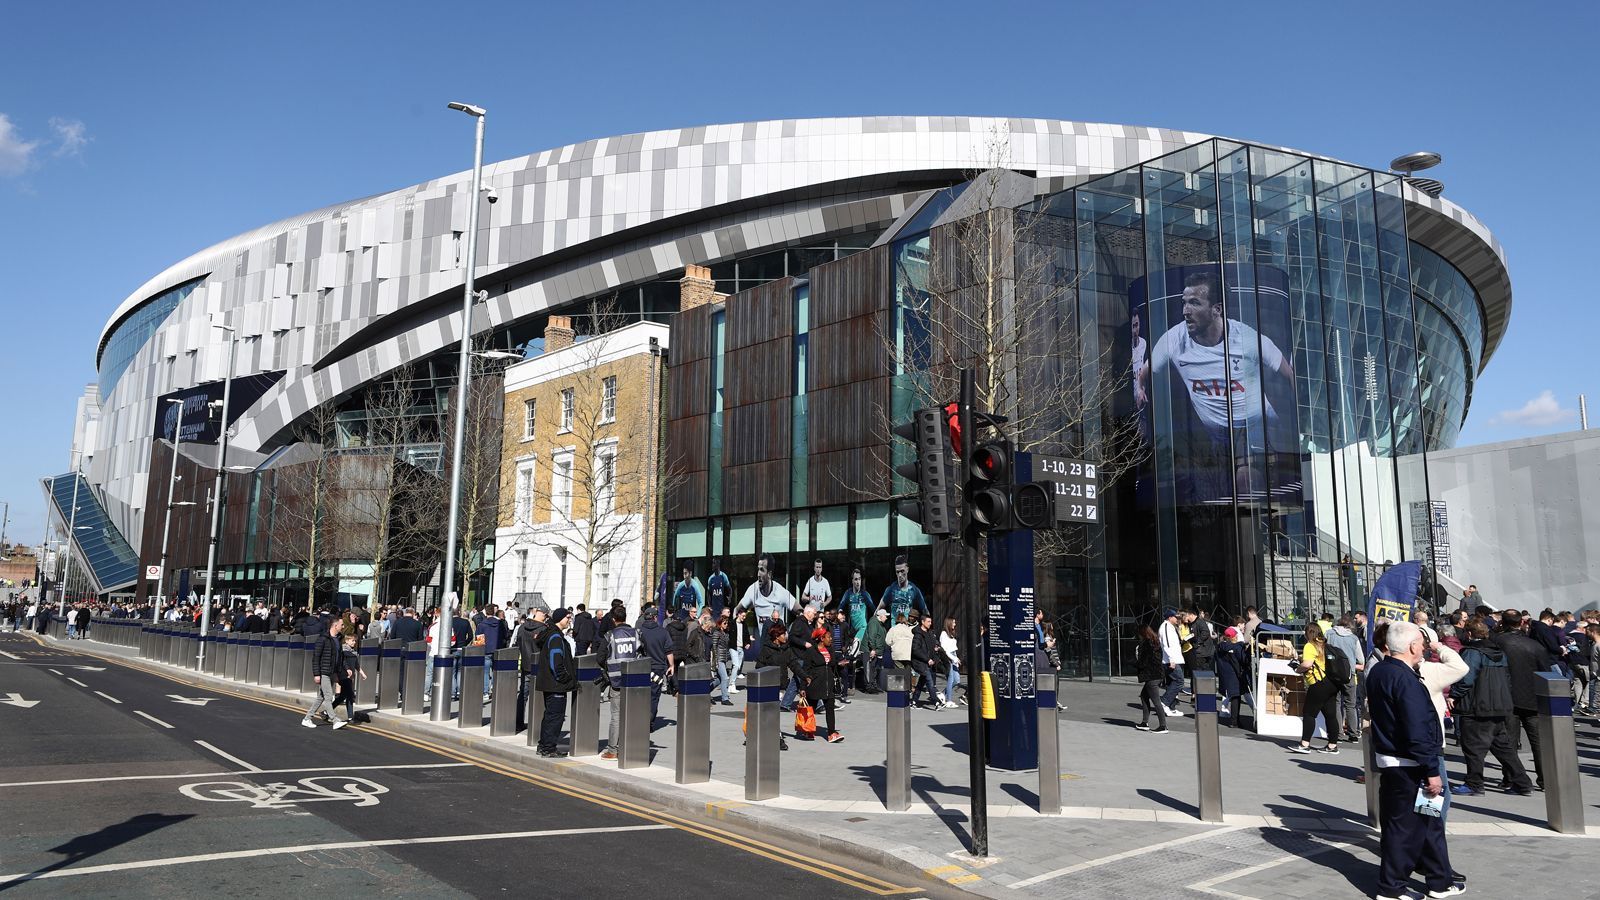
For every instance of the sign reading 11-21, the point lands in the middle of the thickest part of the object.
(1077, 487)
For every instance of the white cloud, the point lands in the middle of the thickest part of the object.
(71, 135)
(1542, 411)
(16, 154)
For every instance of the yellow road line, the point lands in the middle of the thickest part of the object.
(841, 874)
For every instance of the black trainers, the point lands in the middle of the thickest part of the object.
(1331, 748)
(1142, 726)
(1300, 748)
(1159, 731)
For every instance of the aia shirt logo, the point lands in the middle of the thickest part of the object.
(1212, 387)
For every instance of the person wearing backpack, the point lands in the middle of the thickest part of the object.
(1343, 637)
(1322, 692)
(557, 677)
(1483, 708)
(619, 645)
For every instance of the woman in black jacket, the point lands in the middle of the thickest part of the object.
(1152, 676)
(818, 679)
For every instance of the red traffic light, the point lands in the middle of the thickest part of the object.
(991, 462)
(952, 416)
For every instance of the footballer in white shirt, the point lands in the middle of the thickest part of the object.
(1220, 362)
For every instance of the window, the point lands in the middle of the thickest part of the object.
(602, 583)
(605, 482)
(522, 571)
(608, 399)
(530, 412)
(566, 410)
(524, 497)
(561, 487)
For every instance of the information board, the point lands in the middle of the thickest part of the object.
(1077, 487)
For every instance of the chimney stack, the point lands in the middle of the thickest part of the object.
(696, 287)
(559, 335)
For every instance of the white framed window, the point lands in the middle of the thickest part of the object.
(530, 415)
(602, 583)
(608, 399)
(522, 571)
(524, 497)
(605, 481)
(566, 410)
(561, 486)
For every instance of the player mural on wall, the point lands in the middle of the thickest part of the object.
(1231, 429)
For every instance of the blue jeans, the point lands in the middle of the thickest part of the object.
(1174, 685)
(735, 662)
(951, 682)
(72, 631)
(790, 692)
(724, 680)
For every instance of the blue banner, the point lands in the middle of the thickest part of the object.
(1394, 596)
(1009, 643)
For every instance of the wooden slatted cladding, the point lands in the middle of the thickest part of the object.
(759, 389)
(848, 401)
(689, 411)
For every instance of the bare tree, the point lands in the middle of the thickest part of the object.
(994, 290)
(305, 493)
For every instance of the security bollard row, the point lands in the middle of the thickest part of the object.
(586, 707)
(693, 756)
(897, 741)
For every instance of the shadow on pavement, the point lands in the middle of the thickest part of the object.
(1360, 872)
(1322, 768)
(1168, 800)
(84, 846)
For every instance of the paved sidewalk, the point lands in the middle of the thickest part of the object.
(1294, 824)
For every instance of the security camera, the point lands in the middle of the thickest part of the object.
(492, 196)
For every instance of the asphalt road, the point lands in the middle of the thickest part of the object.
(116, 782)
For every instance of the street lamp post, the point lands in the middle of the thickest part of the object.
(72, 529)
(216, 495)
(166, 527)
(442, 670)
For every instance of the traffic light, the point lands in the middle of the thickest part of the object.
(932, 472)
(999, 502)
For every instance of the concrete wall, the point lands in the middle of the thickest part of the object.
(1525, 518)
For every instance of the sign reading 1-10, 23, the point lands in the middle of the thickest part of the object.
(1077, 487)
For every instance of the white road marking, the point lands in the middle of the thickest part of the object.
(315, 848)
(9, 655)
(1118, 857)
(280, 795)
(229, 757)
(76, 681)
(452, 765)
(105, 695)
(18, 701)
(54, 672)
(151, 718)
(192, 701)
(1209, 886)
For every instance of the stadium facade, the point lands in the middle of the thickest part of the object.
(1411, 295)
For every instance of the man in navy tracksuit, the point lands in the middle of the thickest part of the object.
(1408, 745)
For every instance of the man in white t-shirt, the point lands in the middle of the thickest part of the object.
(1220, 362)
(817, 592)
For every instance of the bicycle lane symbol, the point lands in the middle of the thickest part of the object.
(283, 795)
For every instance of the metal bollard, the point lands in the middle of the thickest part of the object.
(1208, 749)
(252, 659)
(633, 732)
(1558, 756)
(762, 737)
(897, 740)
(413, 689)
(308, 650)
(1049, 748)
(367, 679)
(586, 707)
(144, 641)
(471, 688)
(196, 638)
(389, 665)
(693, 756)
(503, 700)
(233, 656)
(280, 661)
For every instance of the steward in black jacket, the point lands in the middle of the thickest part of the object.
(558, 671)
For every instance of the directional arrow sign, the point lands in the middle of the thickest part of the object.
(90, 668)
(192, 701)
(16, 700)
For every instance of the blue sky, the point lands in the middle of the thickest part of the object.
(132, 135)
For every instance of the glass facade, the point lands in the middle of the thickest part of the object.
(132, 333)
(98, 541)
(1252, 333)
